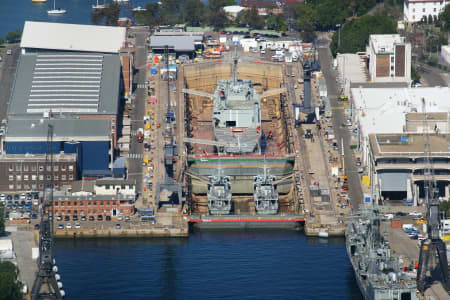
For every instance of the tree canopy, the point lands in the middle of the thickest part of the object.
(10, 287)
(14, 36)
(2, 220)
(355, 34)
(107, 16)
(445, 18)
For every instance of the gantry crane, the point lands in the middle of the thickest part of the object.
(46, 284)
(433, 265)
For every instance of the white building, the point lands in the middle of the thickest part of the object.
(233, 10)
(384, 110)
(445, 53)
(416, 10)
(389, 58)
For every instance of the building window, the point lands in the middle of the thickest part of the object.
(130, 186)
(41, 168)
(68, 203)
(11, 177)
(413, 10)
(41, 177)
(107, 187)
(94, 211)
(33, 186)
(49, 168)
(423, 9)
(18, 177)
(81, 203)
(55, 168)
(18, 186)
(25, 177)
(101, 203)
(107, 202)
(122, 186)
(70, 177)
(62, 203)
(75, 203)
(55, 203)
(11, 186)
(56, 177)
(434, 9)
(63, 177)
(89, 203)
(68, 211)
(11, 167)
(95, 203)
(25, 168)
(26, 186)
(33, 168)
(41, 186)
(18, 168)
(33, 177)
(63, 167)
(49, 177)
(56, 212)
(70, 168)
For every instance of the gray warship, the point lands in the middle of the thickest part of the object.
(378, 273)
(237, 115)
(219, 195)
(265, 194)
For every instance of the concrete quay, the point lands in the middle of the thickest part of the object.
(123, 233)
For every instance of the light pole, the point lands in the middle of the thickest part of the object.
(339, 34)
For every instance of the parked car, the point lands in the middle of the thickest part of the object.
(34, 216)
(119, 218)
(3, 197)
(108, 218)
(99, 218)
(83, 218)
(66, 218)
(75, 218)
(127, 218)
(60, 226)
(59, 218)
(23, 196)
(91, 218)
(77, 225)
(415, 213)
(68, 226)
(117, 226)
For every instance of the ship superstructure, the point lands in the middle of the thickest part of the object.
(219, 195)
(237, 115)
(378, 273)
(265, 194)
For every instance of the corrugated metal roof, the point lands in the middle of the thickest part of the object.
(63, 129)
(66, 82)
(179, 43)
(72, 37)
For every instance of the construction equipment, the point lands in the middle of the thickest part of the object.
(46, 284)
(433, 264)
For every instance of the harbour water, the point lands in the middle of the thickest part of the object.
(14, 13)
(208, 265)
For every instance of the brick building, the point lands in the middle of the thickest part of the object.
(106, 197)
(22, 173)
(389, 58)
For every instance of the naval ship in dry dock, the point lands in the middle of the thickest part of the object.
(378, 273)
(237, 133)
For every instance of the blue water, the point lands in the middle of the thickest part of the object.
(208, 265)
(14, 13)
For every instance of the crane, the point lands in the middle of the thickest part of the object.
(46, 284)
(433, 265)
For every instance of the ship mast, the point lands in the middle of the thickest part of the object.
(235, 62)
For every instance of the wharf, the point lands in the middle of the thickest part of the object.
(246, 221)
(165, 231)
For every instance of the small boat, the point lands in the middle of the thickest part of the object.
(55, 11)
(121, 1)
(139, 8)
(38, 1)
(99, 6)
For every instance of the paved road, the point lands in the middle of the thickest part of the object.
(355, 191)
(8, 69)
(431, 76)
(135, 165)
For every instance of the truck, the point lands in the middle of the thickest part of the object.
(140, 135)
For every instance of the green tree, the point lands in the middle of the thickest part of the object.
(97, 17)
(445, 206)
(355, 34)
(251, 18)
(14, 36)
(276, 22)
(2, 41)
(445, 18)
(194, 12)
(171, 12)
(10, 287)
(415, 76)
(217, 17)
(107, 16)
(2, 220)
(151, 16)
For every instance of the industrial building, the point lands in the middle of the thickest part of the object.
(389, 58)
(397, 164)
(384, 110)
(179, 43)
(68, 76)
(104, 197)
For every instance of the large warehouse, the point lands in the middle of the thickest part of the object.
(68, 76)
